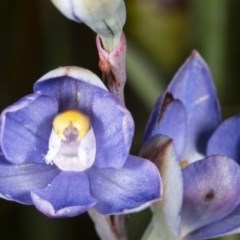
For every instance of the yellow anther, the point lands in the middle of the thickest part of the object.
(71, 119)
(183, 164)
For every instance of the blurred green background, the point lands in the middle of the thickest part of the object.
(35, 38)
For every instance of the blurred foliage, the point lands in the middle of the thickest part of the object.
(161, 32)
(35, 38)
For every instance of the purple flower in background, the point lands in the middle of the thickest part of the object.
(65, 149)
(197, 157)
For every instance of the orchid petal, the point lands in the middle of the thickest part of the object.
(194, 87)
(71, 93)
(226, 226)
(170, 120)
(113, 128)
(120, 191)
(155, 113)
(17, 181)
(66, 196)
(26, 127)
(78, 73)
(73, 87)
(211, 192)
(226, 139)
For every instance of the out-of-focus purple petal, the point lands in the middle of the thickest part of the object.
(66, 196)
(170, 121)
(161, 151)
(226, 139)
(226, 226)
(211, 192)
(113, 128)
(120, 191)
(25, 128)
(193, 86)
(18, 180)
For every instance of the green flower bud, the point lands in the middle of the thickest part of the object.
(105, 17)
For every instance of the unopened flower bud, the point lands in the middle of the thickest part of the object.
(105, 17)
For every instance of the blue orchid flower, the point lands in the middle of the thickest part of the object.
(65, 149)
(197, 157)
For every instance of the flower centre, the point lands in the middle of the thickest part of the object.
(71, 125)
(72, 143)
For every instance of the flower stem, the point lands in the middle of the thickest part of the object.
(113, 66)
(109, 227)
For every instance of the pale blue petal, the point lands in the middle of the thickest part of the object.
(226, 139)
(66, 196)
(71, 93)
(170, 121)
(25, 128)
(194, 87)
(17, 181)
(113, 128)
(120, 191)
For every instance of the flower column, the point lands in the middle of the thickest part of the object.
(106, 18)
